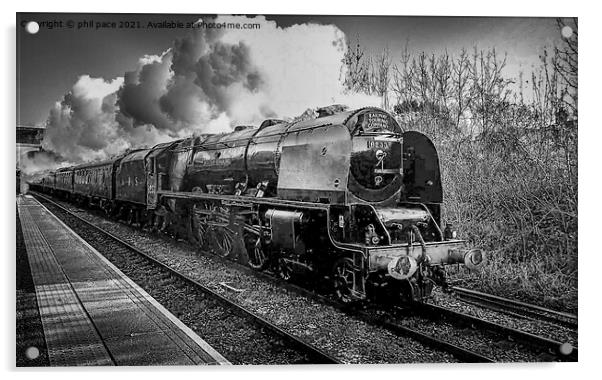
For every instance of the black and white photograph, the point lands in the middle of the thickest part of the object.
(290, 189)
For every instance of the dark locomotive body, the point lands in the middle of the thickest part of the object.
(347, 197)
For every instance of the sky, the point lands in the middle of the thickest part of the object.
(51, 61)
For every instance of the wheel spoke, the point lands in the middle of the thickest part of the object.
(343, 280)
(257, 258)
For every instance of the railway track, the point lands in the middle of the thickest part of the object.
(396, 325)
(315, 355)
(560, 350)
(515, 308)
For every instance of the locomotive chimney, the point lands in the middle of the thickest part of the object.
(331, 110)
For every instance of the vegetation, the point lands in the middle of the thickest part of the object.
(508, 151)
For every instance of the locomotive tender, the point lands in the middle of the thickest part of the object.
(347, 196)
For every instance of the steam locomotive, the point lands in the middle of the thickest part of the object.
(346, 197)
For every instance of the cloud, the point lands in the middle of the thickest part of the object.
(83, 121)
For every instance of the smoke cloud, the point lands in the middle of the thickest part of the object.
(34, 162)
(208, 81)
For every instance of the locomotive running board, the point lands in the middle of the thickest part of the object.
(241, 200)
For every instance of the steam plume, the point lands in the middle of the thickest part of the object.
(207, 82)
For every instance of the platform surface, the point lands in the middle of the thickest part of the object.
(92, 314)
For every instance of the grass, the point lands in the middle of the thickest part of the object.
(514, 194)
(525, 216)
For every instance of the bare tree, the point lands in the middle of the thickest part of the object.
(489, 88)
(443, 74)
(382, 76)
(403, 78)
(357, 64)
(566, 63)
(460, 85)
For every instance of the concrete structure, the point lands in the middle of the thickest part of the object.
(92, 314)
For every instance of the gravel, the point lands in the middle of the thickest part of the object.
(482, 342)
(541, 328)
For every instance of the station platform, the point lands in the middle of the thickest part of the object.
(92, 314)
